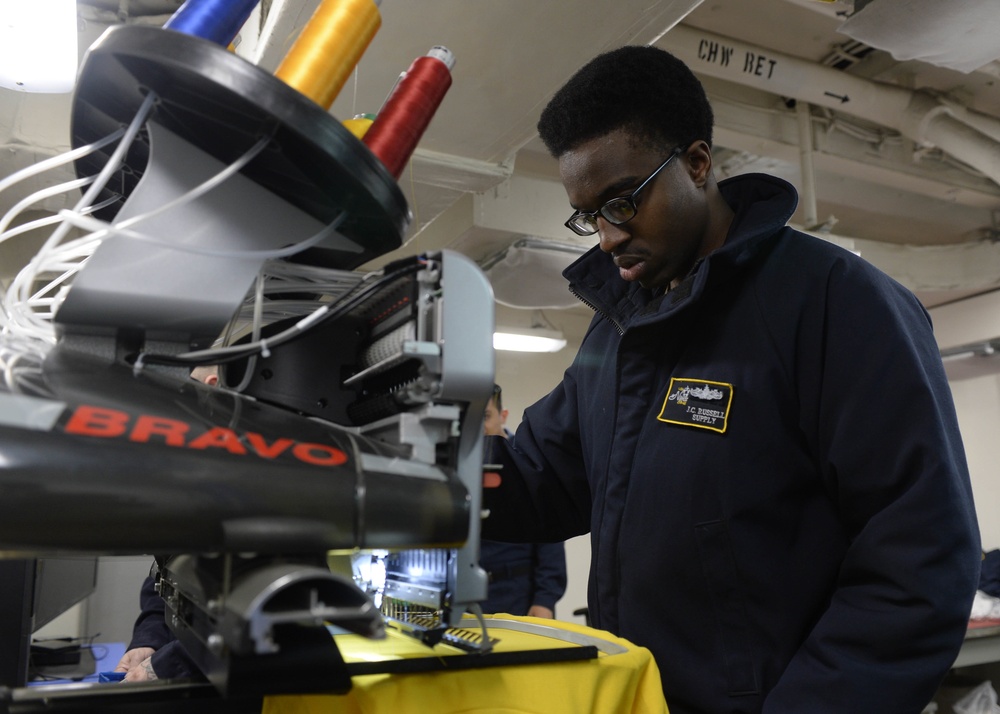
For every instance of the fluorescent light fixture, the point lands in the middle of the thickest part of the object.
(38, 45)
(529, 339)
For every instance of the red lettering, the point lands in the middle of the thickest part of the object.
(219, 437)
(265, 450)
(171, 430)
(109, 423)
(319, 455)
(95, 421)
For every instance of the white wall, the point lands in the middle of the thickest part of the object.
(113, 608)
(978, 404)
(973, 321)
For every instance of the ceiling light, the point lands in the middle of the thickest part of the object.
(529, 339)
(38, 45)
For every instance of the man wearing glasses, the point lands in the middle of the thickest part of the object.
(757, 430)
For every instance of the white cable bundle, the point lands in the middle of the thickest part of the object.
(31, 300)
(29, 303)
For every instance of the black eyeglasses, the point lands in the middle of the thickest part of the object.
(617, 210)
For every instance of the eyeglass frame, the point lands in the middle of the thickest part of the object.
(630, 199)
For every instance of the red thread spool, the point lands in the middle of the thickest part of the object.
(408, 111)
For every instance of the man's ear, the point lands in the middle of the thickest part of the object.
(503, 417)
(698, 162)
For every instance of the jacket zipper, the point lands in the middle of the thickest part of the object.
(599, 311)
(621, 332)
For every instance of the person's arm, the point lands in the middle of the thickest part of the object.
(543, 494)
(154, 652)
(549, 577)
(531, 502)
(890, 453)
(172, 661)
(149, 633)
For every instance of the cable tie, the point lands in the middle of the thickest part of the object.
(137, 367)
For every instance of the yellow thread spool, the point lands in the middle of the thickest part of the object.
(359, 124)
(329, 47)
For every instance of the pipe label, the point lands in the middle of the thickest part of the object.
(754, 63)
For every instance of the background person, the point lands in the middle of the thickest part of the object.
(525, 578)
(154, 651)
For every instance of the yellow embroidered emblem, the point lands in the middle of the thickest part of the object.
(700, 403)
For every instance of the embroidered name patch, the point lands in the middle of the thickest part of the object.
(697, 402)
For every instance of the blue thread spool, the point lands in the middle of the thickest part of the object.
(214, 20)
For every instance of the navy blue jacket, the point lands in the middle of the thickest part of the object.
(769, 464)
(522, 575)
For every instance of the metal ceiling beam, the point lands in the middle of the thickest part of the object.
(917, 115)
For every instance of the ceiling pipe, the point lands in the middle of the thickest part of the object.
(808, 197)
(982, 122)
(917, 115)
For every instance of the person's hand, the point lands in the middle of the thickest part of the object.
(143, 672)
(137, 665)
(541, 611)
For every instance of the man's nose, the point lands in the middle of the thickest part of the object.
(612, 236)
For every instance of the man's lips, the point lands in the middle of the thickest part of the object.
(630, 267)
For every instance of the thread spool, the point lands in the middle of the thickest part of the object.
(216, 20)
(329, 47)
(408, 110)
(359, 124)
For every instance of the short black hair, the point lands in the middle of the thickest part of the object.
(497, 397)
(644, 90)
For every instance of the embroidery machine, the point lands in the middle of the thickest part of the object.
(348, 419)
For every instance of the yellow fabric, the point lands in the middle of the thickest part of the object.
(611, 684)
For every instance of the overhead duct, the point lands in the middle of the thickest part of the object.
(929, 30)
(918, 115)
(528, 274)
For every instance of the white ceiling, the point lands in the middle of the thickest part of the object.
(890, 183)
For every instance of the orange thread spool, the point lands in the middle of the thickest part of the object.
(329, 47)
(408, 111)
